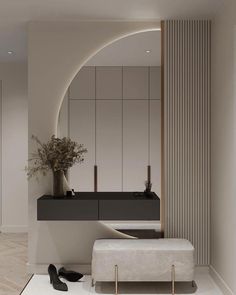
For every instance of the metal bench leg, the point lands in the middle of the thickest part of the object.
(173, 279)
(116, 279)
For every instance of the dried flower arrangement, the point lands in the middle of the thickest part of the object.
(57, 155)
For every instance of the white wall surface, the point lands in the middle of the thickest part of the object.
(223, 149)
(14, 147)
(56, 53)
(131, 51)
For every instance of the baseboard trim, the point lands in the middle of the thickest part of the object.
(42, 268)
(220, 281)
(13, 229)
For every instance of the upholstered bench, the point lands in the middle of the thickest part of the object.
(142, 260)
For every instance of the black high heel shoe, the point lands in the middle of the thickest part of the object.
(54, 279)
(70, 275)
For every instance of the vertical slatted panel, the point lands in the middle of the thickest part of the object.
(187, 132)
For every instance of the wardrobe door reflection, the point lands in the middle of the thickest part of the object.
(109, 145)
(135, 144)
(82, 130)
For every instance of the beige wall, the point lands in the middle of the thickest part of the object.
(14, 147)
(223, 148)
(56, 52)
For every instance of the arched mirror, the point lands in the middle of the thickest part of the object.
(113, 107)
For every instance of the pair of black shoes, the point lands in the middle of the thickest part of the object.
(71, 276)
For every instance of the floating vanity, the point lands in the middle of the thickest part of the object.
(100, 206)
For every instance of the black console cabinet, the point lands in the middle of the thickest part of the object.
(100, 206)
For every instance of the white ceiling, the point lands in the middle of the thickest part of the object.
(131, 51)
(15, 14)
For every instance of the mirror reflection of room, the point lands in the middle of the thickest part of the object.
(113, 107)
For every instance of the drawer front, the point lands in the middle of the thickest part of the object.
(129, 209)
(67, 209)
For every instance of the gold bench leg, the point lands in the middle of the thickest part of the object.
(116, 279)
(173, 279)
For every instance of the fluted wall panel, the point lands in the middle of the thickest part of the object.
(187, 133)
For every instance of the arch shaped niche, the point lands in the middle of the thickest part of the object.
(56, 53)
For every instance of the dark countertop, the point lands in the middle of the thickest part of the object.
(106, 196)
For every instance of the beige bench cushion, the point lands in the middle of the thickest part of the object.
(143, 259)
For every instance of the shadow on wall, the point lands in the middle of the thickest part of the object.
(146, 288)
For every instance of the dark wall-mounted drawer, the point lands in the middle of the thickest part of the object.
(129, 209)
(70, 209)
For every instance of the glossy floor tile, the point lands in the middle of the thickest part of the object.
(205, 285)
